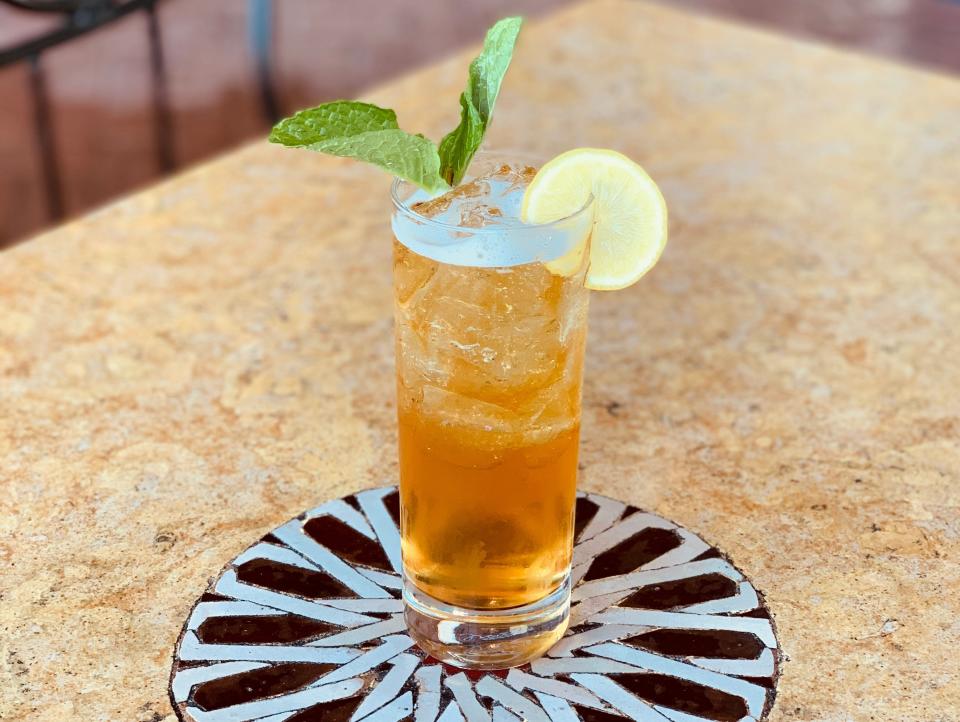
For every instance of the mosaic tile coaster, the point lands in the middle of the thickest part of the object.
(307, 625)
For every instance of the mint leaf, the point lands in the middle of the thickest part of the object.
(477, 101)
(332, 120)
(488, 69)
(365, 132)
(411, 157)
(458, 147)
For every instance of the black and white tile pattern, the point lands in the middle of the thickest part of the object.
(307, 625)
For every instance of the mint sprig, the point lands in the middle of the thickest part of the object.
(369, 133)
(477, 101)
(366, 132)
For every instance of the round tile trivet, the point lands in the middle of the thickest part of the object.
(307, 625)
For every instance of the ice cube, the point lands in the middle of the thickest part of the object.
(411, 274)
(435, 207)
(518, 177)
(455, 205)
(478, 215)
(462, 410)
(468, 431)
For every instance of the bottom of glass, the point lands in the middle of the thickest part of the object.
(486, 638)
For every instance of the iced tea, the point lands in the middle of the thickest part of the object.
(490, 347)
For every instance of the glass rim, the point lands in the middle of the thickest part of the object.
(403, 208)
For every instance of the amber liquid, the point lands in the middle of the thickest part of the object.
(489, 369)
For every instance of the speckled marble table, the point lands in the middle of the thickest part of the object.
(184, 370)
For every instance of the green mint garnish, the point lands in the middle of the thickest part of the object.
(332, 120)
(366, 132)
(477, 101)
(363, 131)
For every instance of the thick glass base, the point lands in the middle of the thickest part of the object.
(486, 638)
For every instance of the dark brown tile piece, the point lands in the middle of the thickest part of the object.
(257, 684)
(292, 580)
(633, 553)
(392, 502)
(346, 542)
(681, 592)
(261, 629)
(339, 710)
(716, 643)
(685, 696)
(585, 511)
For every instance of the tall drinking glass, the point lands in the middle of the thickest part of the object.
(489, 355)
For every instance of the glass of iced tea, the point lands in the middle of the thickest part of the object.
(489, 352)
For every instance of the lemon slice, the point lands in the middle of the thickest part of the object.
(630, 215)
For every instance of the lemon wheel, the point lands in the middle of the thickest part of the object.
(630, 215)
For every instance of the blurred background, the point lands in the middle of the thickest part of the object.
(99, 97)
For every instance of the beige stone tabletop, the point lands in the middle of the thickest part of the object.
(191, 366)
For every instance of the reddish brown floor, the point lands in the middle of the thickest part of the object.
(921, 32)
(100, 84)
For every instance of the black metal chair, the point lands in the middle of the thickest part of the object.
(80, 17)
